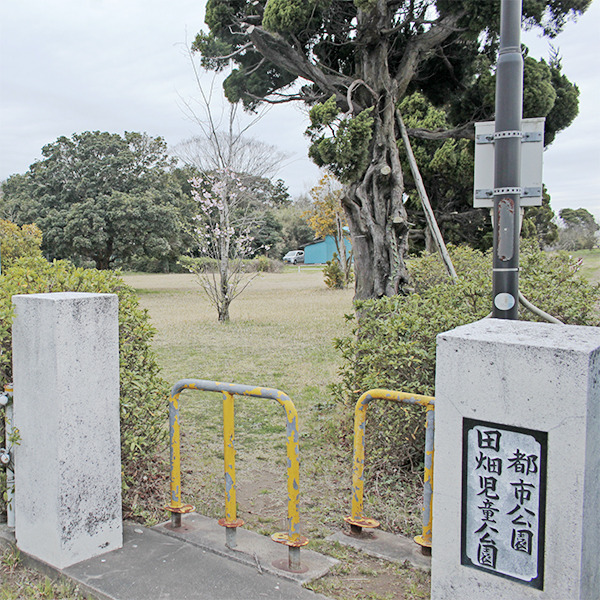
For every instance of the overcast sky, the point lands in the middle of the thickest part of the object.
(69, 66)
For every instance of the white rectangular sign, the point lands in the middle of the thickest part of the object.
(532, 150)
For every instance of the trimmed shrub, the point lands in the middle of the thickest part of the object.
(263, 264)
(393, 342)
(333, 275)
(18, 241)
(204, 264)
(144, 395)
(200, 265)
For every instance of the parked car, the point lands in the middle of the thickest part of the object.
(294, 256)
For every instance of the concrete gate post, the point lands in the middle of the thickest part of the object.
(517, 462)
(66, 408)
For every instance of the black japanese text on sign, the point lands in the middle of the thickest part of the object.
(503, 500)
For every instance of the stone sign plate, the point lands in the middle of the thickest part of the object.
(503, 500)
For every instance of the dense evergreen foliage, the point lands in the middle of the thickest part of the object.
(144, 395)
(103, 198)
(393, 343)
(354, 63)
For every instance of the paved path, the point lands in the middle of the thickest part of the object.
(155, 566)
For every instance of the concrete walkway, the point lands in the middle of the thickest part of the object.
(155, 566)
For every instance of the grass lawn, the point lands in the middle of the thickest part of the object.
(280, 335)
(590, 268)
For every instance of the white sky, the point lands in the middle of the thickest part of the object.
(68, 66)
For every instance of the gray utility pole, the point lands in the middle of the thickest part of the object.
(507, 166)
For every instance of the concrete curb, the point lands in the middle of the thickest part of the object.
(388, 546)
(253, 549)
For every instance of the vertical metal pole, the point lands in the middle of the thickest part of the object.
(507, 167)
(356, 520)
(229, 453)
(425, 539)
(175, 452)
(176, 508)
(292, 538)
(294, 558)
(360, 415)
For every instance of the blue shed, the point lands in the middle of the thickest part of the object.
(321, 252)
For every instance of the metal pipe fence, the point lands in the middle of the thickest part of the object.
(291, 537)
(357, 520)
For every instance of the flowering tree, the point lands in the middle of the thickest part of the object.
(223, 223)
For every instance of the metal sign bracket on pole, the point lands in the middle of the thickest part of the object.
(532, 151)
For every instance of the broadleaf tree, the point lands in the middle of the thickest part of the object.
(580, 229)
(102, 197)
(353, 62)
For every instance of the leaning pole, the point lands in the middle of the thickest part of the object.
(507, 163)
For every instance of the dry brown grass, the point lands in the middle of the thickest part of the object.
(280, 333)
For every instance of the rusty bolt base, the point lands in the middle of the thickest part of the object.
(181, 510)
(177, 511)
(292, 565)
(285, 539)
(230, 524)
(425, 544)
(283, 564)
(358, 523)
(230, 531)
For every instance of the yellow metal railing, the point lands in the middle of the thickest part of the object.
(356, 520)
(291, 537)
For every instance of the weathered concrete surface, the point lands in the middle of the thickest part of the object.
(66, 407)
(538, 376)
(252, 549)
(154, 566)
(381, 544)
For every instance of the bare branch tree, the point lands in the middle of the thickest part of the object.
(227, 162)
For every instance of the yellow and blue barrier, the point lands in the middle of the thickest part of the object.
(291, 537)
(356, 520)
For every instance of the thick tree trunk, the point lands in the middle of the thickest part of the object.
(374, 205)
(103, 259)
(379, 242)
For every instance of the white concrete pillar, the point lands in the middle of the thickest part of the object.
(517, 462)
(66, 407)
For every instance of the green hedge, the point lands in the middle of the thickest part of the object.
(393, 342)
(144, 395)
(204, 264)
